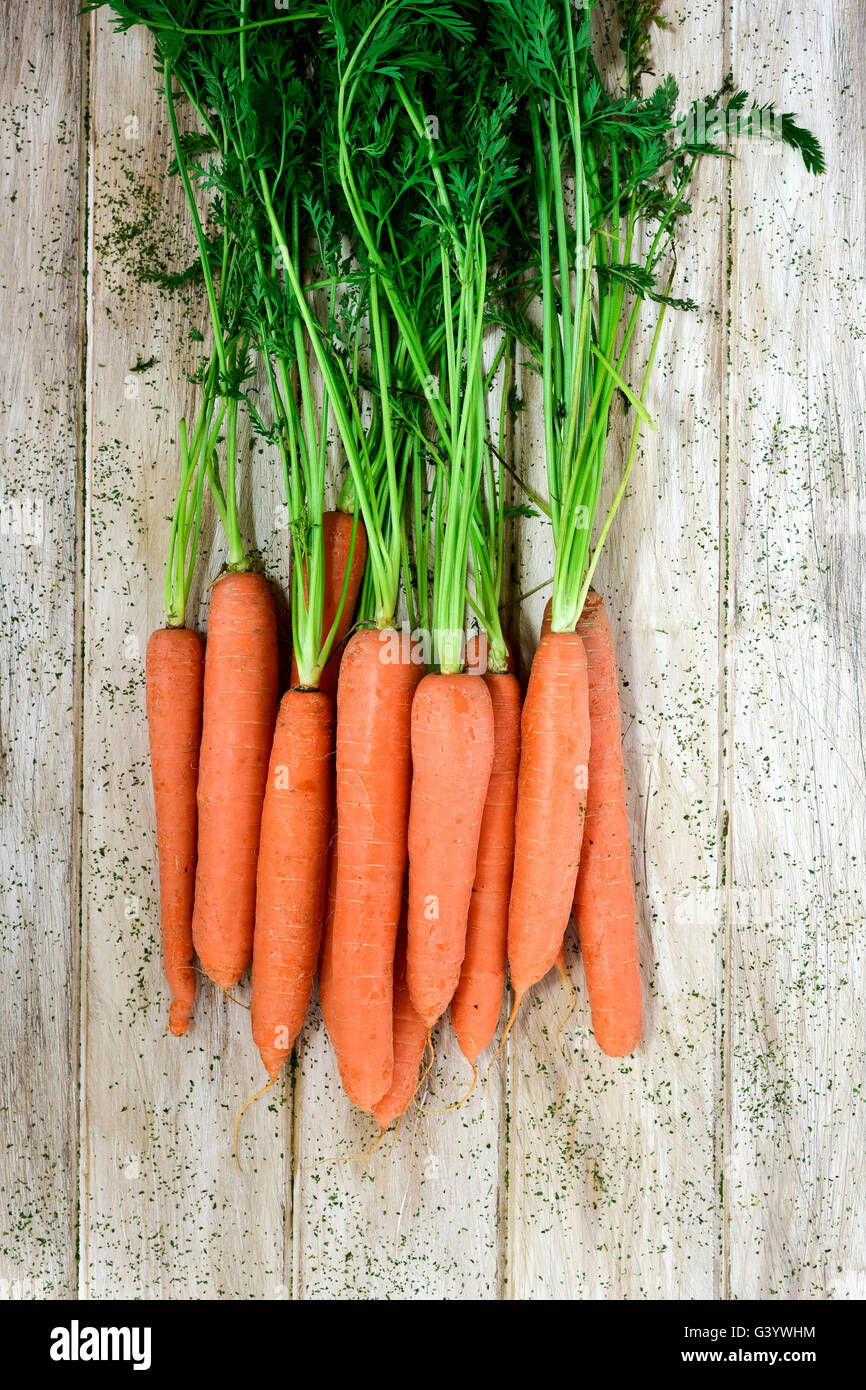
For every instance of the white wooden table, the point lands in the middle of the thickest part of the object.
(727, 1158)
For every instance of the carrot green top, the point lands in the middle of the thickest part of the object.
(387, 179)
(603, 165)
(424, 164)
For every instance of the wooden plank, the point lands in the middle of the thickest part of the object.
(420, 1219)
(796, 1164)
(165, 1213)
(423, 1217)
(612, 1164)
(610, 1181)
(40, 425)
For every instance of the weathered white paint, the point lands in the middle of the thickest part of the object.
(614, 1190)
(723, 1160)
(165, 1212)
(795, 1159)
(41, 260)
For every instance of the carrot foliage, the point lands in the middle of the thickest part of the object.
(403, 192)
(611, 168)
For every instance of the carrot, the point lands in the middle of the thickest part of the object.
(290, 880)
(174, 669)
(604, 904)
(410, 1041)
(240, 698)
(297, 818)
(374, 701)
(477, 1002)
(559, 963)
(551, 800)
(477, 659)
(337, 530)
(452, 756)
(325, 952)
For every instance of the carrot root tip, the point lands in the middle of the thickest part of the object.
(455, 1105)
(511, 1017)
(348, 1158)
(178, 1020)
(238, 1119)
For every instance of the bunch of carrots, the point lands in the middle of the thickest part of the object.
(403, 199)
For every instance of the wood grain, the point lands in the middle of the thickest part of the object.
(418, 1220)
(165, 1212)
(726, 1158)
(402, 1224)
(796, 1149)
(41, 262)
(613, 1164)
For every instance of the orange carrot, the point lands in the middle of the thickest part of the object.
(559, 963)
(174, 669)
(337, 536)
(604, 904)
(292, 864)
(551, 800)
(477, 1002)
(325, 953)
(374, 701)
(240, 699)
(325, 972)
(477, 654)
(452, 755)
(410, 1041)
